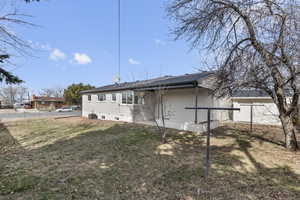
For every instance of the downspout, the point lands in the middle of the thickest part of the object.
(196, 101)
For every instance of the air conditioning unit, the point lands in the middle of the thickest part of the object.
(92, 116)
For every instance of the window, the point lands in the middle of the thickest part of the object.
(138, 100)
(113, 97)
(127, 98)
(89, 97)
(101, 97)
(124, 98)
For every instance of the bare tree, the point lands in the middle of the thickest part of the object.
(10, 43)
(8, 95)
(14, 94)
(22, 94)
(158, 113)
(154, 107)
(257, 46)
(57, 92)
(46, 92)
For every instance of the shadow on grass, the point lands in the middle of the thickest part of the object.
(124, 162)
(7, 141)
(259, 134)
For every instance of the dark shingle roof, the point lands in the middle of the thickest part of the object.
(250, 93)
(255, 93)
(156, 82)
(49, 99)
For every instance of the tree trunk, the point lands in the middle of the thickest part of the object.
(289, 130)
(163, 134)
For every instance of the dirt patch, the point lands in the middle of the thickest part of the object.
(269, 133)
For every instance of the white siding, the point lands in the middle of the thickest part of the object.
(175, 102)
(178, 117)
(266, 114)
(111, 110)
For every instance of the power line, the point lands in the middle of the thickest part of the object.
(119, 40)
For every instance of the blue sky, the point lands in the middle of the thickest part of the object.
(77, 42)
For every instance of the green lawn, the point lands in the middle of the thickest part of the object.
(81, 159)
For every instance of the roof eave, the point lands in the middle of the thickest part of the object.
(236, 98)
(194, 83)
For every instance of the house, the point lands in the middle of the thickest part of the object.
(46, 103)
(145, 101)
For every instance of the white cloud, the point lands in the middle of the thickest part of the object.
(45, 47)
(82, 59)
(57, 54)
(39, 46)
(160, 42)
(133, 62)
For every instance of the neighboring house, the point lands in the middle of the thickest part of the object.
(140, 101)
(266, 113)
(46, 103)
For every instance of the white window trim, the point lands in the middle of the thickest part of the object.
(112, 97)
(139, 97)
(103, 100)
(88, 99)
(126, 104)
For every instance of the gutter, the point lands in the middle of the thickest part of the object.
(166, 87)
(174, 85)
(237, 98)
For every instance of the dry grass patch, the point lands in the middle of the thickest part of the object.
(81, 159)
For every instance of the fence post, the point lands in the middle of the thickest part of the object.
(207, 158)
(251, 120)
(196, 105)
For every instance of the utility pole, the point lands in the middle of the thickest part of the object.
(119, 41)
